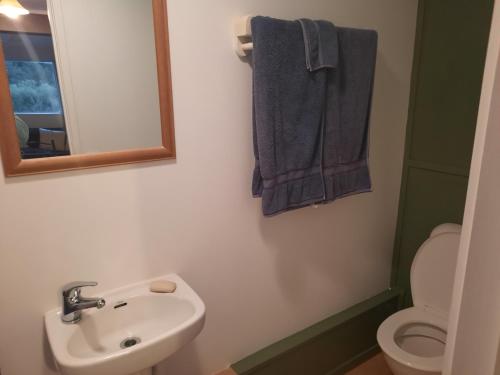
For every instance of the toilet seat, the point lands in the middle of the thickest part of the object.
(413, 315)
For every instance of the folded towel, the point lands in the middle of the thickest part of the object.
(321, 44)
(347, 116)
(288, 114)
(311, 111)
(53, 140)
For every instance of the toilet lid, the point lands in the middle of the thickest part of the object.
(433, 273)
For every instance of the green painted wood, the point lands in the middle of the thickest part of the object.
(454, 41)
(329, 347)
(432, 198)
(402, 200)
(438, 168)
(355, 361)
(450, 53)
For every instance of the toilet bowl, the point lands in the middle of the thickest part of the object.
(413, 340)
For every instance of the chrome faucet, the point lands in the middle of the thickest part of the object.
(74, 303)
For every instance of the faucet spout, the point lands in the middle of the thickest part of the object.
(88, 303)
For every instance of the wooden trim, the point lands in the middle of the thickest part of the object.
(332, 346)
(226, 372)
(9, 143)
(374, 365)
(164, 74)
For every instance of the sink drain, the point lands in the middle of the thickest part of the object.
(130, 341)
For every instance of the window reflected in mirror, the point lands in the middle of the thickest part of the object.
(34, 86)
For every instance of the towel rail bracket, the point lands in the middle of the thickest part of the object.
(243, 35)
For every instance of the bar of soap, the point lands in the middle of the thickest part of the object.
(163, 286)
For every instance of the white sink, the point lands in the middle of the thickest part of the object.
(163, 323)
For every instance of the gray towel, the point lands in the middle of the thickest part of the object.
(310, 122)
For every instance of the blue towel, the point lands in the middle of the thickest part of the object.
(312, 94)
(321, 44)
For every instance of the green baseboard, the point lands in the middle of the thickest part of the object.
(330, 347)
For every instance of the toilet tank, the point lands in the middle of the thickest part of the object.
(433, 270)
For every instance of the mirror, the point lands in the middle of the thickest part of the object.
(84, 83)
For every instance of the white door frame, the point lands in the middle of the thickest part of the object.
(474, 322)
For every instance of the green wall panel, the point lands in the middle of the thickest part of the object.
(450, 52)
(330, 347)
(432, 198)
(454, 38)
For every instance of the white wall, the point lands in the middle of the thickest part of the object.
(262, 279)
(106, 60)
(474, 331)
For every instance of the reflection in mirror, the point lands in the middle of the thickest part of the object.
(34, 87)
(106, 58)
(84, 76)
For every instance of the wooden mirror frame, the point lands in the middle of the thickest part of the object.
(10, 148)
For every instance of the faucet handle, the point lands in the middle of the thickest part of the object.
(75, 286)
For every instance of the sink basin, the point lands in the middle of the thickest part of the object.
(136, 330)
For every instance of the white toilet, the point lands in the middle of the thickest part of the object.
(413, 340)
